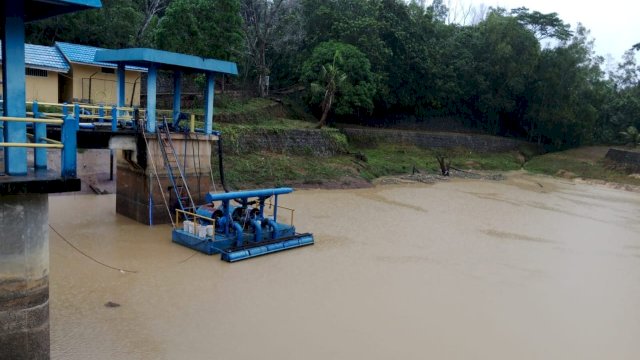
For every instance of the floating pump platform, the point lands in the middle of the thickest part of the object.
(234, 224)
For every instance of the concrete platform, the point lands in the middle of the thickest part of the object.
(37, 182)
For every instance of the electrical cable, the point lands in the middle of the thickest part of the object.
(89, 256)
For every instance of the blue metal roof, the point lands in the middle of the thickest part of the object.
(83, 54)
(166, 60)
(43, 57)
(40, 9)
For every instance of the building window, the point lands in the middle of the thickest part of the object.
(106, 70)
(36, 72)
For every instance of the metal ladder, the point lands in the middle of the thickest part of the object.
(172, 165)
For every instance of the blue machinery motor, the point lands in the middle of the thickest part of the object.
(240, 230)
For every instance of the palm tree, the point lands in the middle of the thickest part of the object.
(330, 80)
(632, 136)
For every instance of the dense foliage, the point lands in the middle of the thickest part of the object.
(518, 73)
(356, 90)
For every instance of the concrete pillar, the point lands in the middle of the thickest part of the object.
(24, 277)
(13, 85)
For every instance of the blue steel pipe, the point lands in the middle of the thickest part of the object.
(264, 193)
(274, 225)
(239, 233)
(257, 227)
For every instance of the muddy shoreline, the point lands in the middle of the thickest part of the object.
(93, 170)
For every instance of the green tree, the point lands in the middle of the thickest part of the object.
(624, 105)
(208, 28)
(151, 10)
(329, 81)
(354, 22)
(505, 58)
(544, 26)
(115, 25)
(631, 136)
(265, 25)
(354, 94)
(438, 10)
(567, 97)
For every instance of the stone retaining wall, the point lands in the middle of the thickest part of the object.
(325, 142)
(331, 142)
(628, 160)
(473, 142)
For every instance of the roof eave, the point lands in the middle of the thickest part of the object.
(110, 66)
(165, 59)
(38, 67)
(42, 9)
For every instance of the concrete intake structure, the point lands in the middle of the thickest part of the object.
(24, 277)
(139, 193)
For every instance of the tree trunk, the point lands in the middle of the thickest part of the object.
(444, 164)
(325, 112)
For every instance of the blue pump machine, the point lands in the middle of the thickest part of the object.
(240, 228)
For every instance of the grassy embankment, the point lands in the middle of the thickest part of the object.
(586, 163)
(361, 164)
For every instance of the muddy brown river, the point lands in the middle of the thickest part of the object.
(528, 268)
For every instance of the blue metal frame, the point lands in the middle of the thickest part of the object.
(155, 60)
(143, 57)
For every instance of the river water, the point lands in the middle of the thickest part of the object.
(528, 268)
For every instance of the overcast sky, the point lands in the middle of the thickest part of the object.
(614, 24)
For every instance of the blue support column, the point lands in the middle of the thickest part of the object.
(69, 151)
(121, 95)
(114, 119)
(39, 132)
(177, 93)
(120, 83)
(13, 86)
(101, 113)
(208, 103)
(152, 76)
(76, 114)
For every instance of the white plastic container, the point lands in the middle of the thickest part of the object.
(209, 230)
(186, 225)
(201, 231)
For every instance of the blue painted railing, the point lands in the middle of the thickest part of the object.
(88, 116)
(40, 143)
